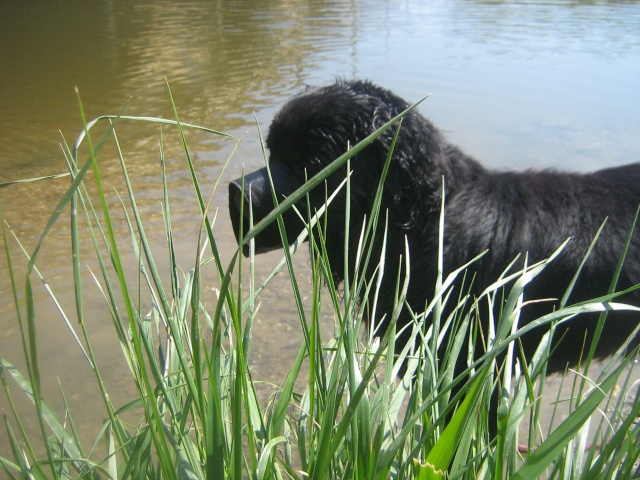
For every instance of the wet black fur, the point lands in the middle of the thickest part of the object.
(506, 213)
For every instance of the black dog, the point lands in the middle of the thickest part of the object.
(506, 213)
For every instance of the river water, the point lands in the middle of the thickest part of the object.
(517, 84)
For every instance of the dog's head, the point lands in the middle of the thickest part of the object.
(313, 129)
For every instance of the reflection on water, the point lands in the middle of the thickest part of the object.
(517, 84)
(224, 60)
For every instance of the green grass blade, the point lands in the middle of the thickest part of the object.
(48, 414)
(558, 440)
(442, 452)
(21, 463)
(35, 179)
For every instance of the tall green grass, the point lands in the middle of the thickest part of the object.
(352, 407)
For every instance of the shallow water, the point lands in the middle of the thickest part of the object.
(516, 84)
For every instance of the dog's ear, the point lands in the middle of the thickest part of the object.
(414, 182)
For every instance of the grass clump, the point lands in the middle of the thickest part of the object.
(364, 411)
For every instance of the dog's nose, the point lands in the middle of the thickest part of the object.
(235, 198)
(235, 207)
(253, 195)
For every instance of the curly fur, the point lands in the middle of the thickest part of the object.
(506, 213)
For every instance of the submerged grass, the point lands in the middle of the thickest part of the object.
(365, 410)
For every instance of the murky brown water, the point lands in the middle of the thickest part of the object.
(516, 84)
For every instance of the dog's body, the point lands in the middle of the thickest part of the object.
(508, 214)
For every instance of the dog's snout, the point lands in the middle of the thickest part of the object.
(235, 207)
(253, 196)
(235, 197)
